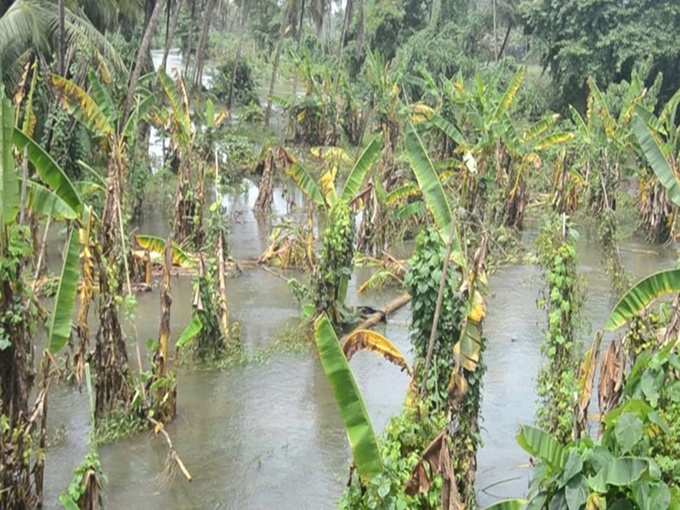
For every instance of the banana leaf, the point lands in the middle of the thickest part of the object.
(9, 180)
(448, 129)
(642, 295)
(82, 106)
(361, 167)
(362, 439)
(49, 171)
(156, 245)
(306, 184)
(46, 202)
(541, 445)
(190, 332)
(365, 339)
(656, 159)
(65, 301)
(431, 187)
(511, 93)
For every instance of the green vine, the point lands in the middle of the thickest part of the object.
(332, 274)
(422, 281)
(557, 384)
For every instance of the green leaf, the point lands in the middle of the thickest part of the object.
(624, 471)
(306, 184)
(65, 301)
(49, 171)
(44, 201)
(362, 439)
(447, 128)
(660, 165)
(542, 445)
(360, 169)
(573, 467)
(576, 492)
(628, 431)
(651, 495)
(431, 187)
(190, 332)
(9, 180)
(642, 295)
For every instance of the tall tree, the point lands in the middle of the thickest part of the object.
(142, 54)
(170, 28)
(203, 41)
(604, 39)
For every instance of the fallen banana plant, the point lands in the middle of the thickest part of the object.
(365, 339)
(155, 246)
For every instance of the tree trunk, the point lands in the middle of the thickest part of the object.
(62, 38)
(202, 43)
(346, 24)
(170, 32)
(141, 57)
(272, 83)
(361, 29)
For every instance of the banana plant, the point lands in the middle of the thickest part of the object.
(659, 140)
(325, 192)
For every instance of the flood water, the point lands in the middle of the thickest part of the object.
(268, 435)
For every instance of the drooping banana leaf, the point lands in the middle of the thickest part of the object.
(180, 112)
(642, 295)
(79, 103)
(156, 245)
(656, 159)
(65, 301)
(365, 339)
(448, 129)
(541, 445)
(9, 180)
(361, 167)
(49, 171)
(362, 439)
(46, 202)
(306, 184)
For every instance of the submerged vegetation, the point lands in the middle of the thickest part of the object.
(405, 145)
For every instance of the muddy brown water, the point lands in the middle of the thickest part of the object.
(268, 435)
